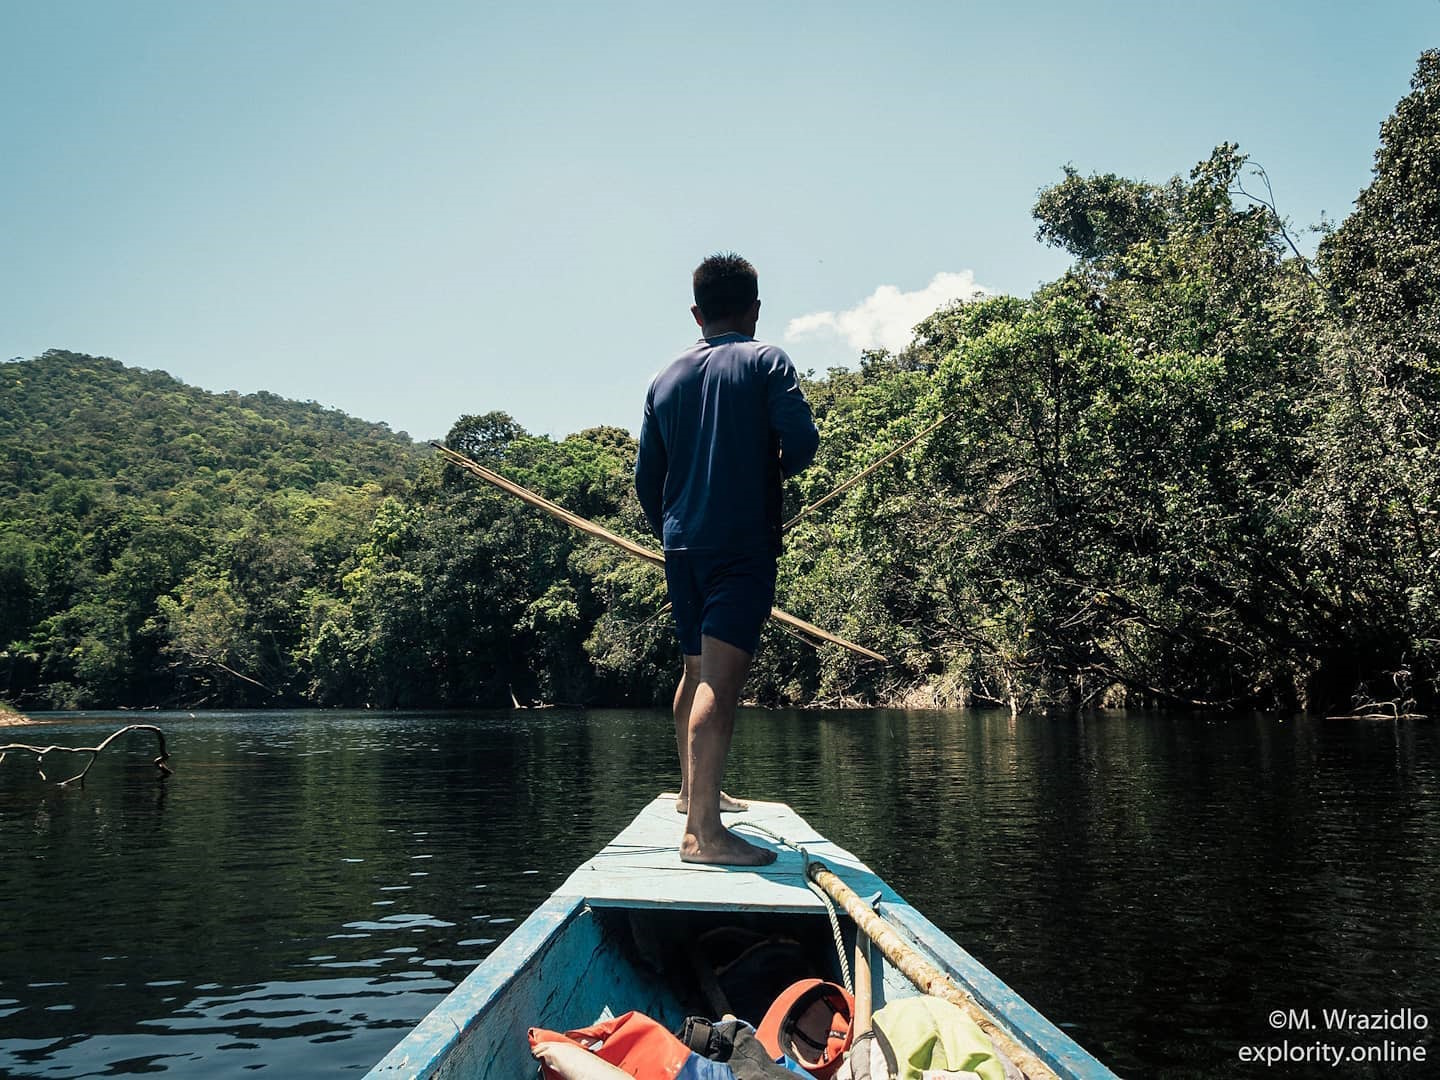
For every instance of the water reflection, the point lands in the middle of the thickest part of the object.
(308, 884)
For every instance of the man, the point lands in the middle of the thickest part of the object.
(723, 424)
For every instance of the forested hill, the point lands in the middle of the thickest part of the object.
(161, 545)
(66, 416)
(118, 484)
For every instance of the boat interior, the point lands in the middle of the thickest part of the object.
(634, 929)
(669, 964)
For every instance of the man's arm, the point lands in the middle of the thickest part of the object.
(650, 465)
(790, 416)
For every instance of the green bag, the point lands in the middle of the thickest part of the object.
(928, 1033)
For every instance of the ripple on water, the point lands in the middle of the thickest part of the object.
(266, 1026)
(400, 922)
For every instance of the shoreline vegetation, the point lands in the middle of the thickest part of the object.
(1198, 470)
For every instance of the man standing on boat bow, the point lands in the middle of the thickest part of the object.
(724, 423)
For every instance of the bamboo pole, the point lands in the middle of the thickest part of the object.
(640, 552)
(554, 509)
(920, 971)
(848, 484)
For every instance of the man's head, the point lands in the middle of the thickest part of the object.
(727, 291)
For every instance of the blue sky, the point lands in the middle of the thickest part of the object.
(413, 211)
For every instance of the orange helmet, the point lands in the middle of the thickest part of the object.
(810, 1023)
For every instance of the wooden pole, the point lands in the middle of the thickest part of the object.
(553, 509)
(640, 552)
(920, 971)
(864, 987)
(848, 484)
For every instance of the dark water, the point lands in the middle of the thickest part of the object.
(308, 884)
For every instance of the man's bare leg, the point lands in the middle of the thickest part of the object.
(684, 699)
(723, 668)
(728, 804)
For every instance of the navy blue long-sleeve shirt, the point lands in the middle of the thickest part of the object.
(707, 473)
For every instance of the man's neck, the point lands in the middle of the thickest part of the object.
(720, 329)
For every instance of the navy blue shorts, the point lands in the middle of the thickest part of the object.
(719, 594)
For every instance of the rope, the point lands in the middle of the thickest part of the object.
(824, 899)
(926, 977)
(834, 926)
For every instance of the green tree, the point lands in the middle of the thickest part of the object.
(1376, 537)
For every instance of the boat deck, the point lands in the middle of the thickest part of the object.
(641, 867)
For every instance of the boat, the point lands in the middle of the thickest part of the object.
(629, 928)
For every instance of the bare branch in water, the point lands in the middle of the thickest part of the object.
(93, 751)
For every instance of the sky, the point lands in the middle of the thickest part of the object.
(416, 211)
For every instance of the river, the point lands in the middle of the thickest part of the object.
(308, 884)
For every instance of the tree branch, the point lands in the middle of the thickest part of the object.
(93, 751)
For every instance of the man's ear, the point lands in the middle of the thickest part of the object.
(699, 315)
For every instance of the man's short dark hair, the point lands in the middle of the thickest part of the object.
(725, 285)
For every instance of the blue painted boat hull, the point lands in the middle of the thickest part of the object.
(613, 939)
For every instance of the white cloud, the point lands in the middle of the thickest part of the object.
(886, 318)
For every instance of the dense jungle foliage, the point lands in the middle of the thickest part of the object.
(1199, 468)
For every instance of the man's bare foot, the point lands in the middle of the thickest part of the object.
(728, 804)
(726, 849)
